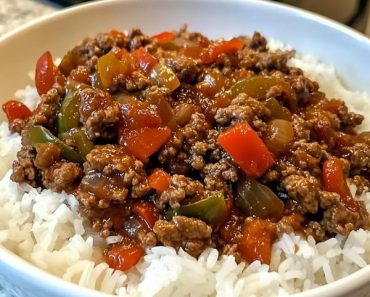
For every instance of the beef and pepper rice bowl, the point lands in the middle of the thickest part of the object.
(176, 165)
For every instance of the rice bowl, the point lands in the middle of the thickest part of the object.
(210, 257)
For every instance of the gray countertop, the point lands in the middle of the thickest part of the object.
(14, 13)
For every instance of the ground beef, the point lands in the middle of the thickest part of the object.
(262, 61)
(47, 154)
(61, 176)
(327, 199)
(136, 82)
(232, 250)
(181, 187)
(17, 125)
(358, 156)
(147, 239)
(107, 41)
(24, 170)
(111, 175)
(88, 52)
(307, 156)
(341, 220)
(303, 88)
(192, 235)
(303, 189)
(99, 113)
(178, 153)
(242, 109)
(218, 176)
(361, 183)
(258, 42)
(186, 69)
(46, 112)
(316, 230)
(137, 39)
(348, 118)
(301, 131)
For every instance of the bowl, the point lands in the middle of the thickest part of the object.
(329, 41)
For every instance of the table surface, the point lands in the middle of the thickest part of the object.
(14, 13)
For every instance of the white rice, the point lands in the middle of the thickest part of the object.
(44, 228)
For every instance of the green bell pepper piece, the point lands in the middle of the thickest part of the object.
(83, 144)
(39, 134)
(209, 209)
(277, 111)
(164, 77)
(69, 116)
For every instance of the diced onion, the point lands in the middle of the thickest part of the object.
(279, 134)
(113, 239)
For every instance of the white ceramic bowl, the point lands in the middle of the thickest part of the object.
(308, 33)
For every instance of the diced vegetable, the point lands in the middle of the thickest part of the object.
(224, 47)
(163, 108)
(45, 73)
(125, 98)
(164, 37)
(247, 149)
(277, 111)
(279, 135)
(212, 83)
(124, 256)
(147, 141)
(332, 105)
(39, 134)
(81, 76)
(69, 62)
(83, 144)
(165, 77)
(335, 181)
(159, 180)
(176, 44)
(137, 116)
(193, 52)
(69, 115)
(143, 60)
(16, 110)
(256, 199)
(147, 211)
(258, 86)
(183, 113)
(256, 243)
(109, 66)
(210, 210)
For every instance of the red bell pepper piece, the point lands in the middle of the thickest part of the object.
(45, 73)
(164, 37)
(147, 141)
(256, 243)
(159, 180)
(124, 256)
(333, 180)
(143, 60)
(16, 110)
(224, 47)
(194, 51)
(147, 212)
(136, 116)
(247, 149)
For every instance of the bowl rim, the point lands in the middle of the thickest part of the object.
(350, 282)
